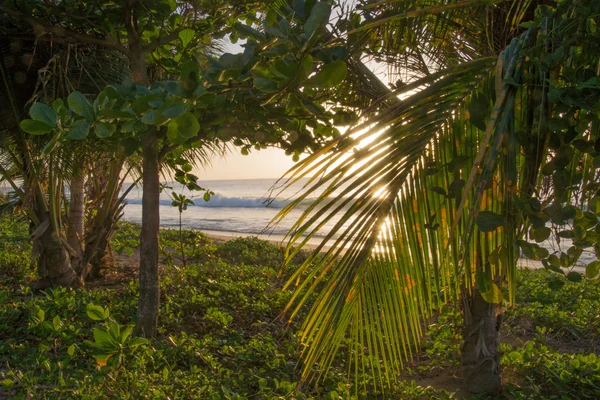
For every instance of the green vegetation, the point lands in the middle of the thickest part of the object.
(221, 335)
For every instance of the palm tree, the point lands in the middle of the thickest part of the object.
(432, 197)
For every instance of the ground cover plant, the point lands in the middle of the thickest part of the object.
(221, 334)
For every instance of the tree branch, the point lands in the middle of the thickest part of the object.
(40, 27)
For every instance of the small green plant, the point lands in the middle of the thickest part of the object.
(112, 341)
(181, 201)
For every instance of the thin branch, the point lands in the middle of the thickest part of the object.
(40, 27)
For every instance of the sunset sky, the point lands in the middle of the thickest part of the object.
(270, 163)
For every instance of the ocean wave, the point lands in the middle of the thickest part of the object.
(218, 200)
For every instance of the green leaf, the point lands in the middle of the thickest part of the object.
(305, 68)
(104, 129)
(330, 75)
(35, 127)
(592, 269)
(319, 16)
(574, 276)
(533, 251)
(95, 312)
(102, 358)
(71, 350)
(182, 128)
(247, 31)
(265, 85)
(489, 221)
(540, 234)
(489, 291)
(478, 111)
(56, 323)
(42, 113)
(173, 108)
(79, 130)
(133, 126)
(138, 341)
(439, 190)
(81, 106)
(186, 36)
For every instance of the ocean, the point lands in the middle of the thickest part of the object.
(245, 207)
(242, 206)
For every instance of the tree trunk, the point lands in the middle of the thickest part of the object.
(480, 358)
(75, 223)
(149, 280)
(54, 263)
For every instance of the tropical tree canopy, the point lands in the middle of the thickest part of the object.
(436, 196)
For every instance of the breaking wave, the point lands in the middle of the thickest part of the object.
(218, 200)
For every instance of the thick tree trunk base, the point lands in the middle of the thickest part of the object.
(480, 357)
(54, 262)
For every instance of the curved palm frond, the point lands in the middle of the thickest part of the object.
(428, 200)
(417, 38)
(381, 280)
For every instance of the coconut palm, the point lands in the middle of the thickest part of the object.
(433, 197)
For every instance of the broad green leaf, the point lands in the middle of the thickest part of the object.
(592, 269)
(186, 36)
(173, 108)
(103, 340)
(533, 251)
(79, 130)
(81, 106)
(95, 312)
(248, 31)
(71, 350)
(182, 128)
(574, 276)
(540, 234)
(138, 341)
(133, 126)
(35, 127)
(126, 333)
(113, 114)
(229, 73)
(478, 111)
(102, 358)
(43, 113)
(153, 117)
(489, 221)
(330, 75)
(319, 16)
(104, 129)
(489, 291)
(305, 68)
(56, 323)
(265, 85)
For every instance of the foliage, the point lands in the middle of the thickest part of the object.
(221, 336)
(441, 192)
(257, 98)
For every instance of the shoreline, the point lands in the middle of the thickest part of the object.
(313, 243)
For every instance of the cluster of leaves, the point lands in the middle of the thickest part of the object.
(263, 96)
(568, 206)
(220, 335)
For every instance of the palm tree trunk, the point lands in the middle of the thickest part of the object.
(480, 358)
(75, 223)
(54, 263)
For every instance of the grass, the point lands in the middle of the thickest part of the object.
(222, 335)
